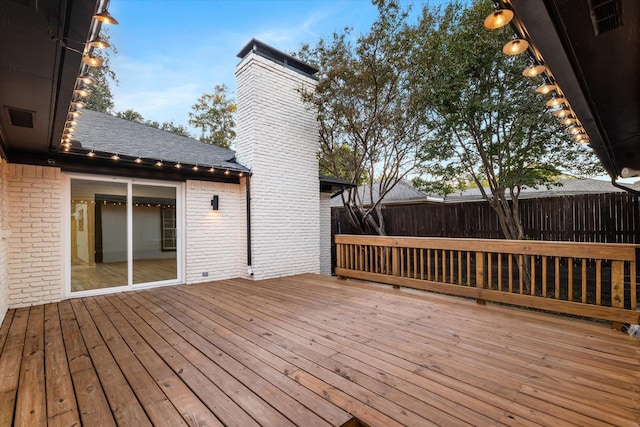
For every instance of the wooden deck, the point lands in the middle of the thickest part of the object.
(310, 351)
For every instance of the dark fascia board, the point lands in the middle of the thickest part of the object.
(102, 166)
(538, 21)
(266, 51)
(78, 17)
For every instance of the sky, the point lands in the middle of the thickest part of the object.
(172, 51)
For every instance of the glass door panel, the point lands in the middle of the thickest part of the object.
(154, 233)
(98, 235)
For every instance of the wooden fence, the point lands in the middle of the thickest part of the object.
(607, 218)
(594, 280)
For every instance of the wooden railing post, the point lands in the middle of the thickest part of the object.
(617, 289)
(395, 264)
(480, 275)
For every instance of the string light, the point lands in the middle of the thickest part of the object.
(115, 157)
(212, 170)
(533, 71)
(138, 160)
(195, 168)
(227, 172)
(159, 163)
(91, 154)
(178, 165)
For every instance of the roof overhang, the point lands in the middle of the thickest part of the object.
(596, 69)
(37, 75)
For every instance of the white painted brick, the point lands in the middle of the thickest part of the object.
(31, 208)
(278, 139)
(215, 240)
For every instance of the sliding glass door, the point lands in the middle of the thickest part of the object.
(122, 234)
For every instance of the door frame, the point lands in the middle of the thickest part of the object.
(66, 229)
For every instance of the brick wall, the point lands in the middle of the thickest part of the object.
(215, 240)
(278, 139)
(4, 235)
(325, 233)
(33, 218)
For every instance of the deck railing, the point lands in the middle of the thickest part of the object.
(596, 280)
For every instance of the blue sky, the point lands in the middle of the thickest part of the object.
(173, 51)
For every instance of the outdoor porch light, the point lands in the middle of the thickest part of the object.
(92, 60)
(568, 121)
(533, 71)
(555, 101)
(82, 92)
(74, 113)
(562, 112)
(99, 43)
(575, 129)
(515, 47)
(86, 79)
(214, 203)
(105, 17)
(498, 19)
(546, 88)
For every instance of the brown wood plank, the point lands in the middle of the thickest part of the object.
(62, 407)
(92, 403)
(247, 370)
(122, 400)
(312, 350)
(153, 383)
(4, 328)
(166, 342)
(10, 361)
(31, 404)
(392, 350)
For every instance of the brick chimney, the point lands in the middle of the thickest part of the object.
(277, 138)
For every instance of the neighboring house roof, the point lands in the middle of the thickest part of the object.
(567, 187)
(106, 133)
(402, 193)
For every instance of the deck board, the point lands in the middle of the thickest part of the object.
(310, 350)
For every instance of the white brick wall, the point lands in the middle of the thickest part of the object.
(278, 139)
(4, 235)
(215, 241)
(34, 250)
(325, 234)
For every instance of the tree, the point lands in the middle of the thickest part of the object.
(370, 129)
(170, 126)
(213, 114)
(490, 124)
(101, 98)
(131, 115)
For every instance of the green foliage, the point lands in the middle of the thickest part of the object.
(170, 126)
(491, 127)
(131, 115)
(370, 128)
(213, 114)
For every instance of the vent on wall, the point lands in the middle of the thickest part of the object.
(606, 15)
(21, 118)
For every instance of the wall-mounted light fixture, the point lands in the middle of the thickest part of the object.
(214, 203)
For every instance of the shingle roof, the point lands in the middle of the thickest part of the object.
(564, 188)
(403, 192)
(104, 132)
